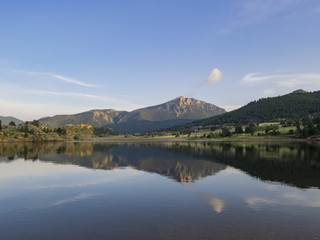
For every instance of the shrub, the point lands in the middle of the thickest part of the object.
(12, 123)
(238, 129)
(76, 137)
(225, 132)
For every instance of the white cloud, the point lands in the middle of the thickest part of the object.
(256, 77)
(268, 7)
(73, 94)
(26, 110)
(119, 102)
(317, 10)
(268, 92)
(54, 76)
(30, 111)
(254, 11)
(215, 76)
(229, 108)
(31, 97)
(71, 80)
(292, 81)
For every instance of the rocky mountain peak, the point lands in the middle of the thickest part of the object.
(182, 101)
(181, 98)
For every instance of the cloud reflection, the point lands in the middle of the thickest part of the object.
(217, 204)
(23, 176)
(285, 196)
(81, 196)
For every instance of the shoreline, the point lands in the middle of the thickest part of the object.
(162, 139)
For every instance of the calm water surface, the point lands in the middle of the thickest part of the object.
(159, 191)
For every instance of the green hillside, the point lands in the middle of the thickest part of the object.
(297, 104)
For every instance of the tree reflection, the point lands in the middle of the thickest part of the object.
(291, 163)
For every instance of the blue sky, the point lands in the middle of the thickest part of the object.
(61, 57)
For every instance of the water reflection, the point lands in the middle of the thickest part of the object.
(289, 197)
(217, 204)
(290, 163)
(133, 191)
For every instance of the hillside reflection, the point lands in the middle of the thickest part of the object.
(295, 163)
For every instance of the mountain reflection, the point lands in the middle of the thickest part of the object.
(295, 163)
(181, 167)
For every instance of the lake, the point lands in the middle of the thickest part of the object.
(164, 190)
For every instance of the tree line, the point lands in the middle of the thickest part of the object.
(290, 106)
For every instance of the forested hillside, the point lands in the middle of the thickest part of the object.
(297, 104)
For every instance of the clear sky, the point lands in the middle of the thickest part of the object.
(65, 56)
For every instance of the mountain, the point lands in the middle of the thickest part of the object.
(96, 118)
(177, 111)
(6, 120)
(297, 104)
